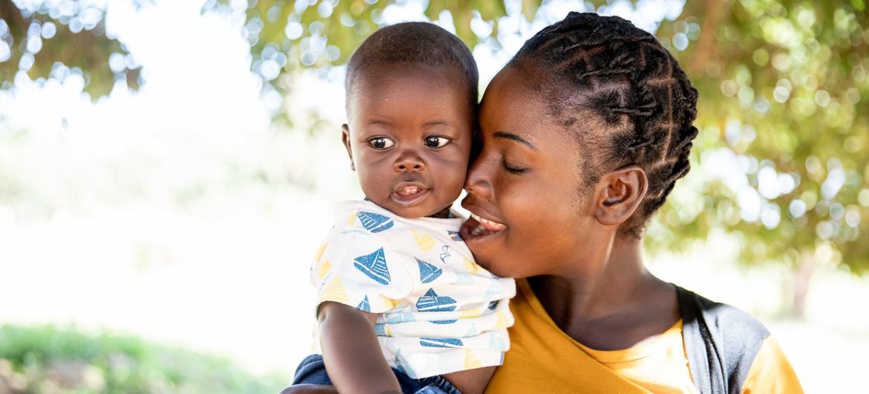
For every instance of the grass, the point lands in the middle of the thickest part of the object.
(50, 359)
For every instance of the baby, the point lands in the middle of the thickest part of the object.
(402, 306)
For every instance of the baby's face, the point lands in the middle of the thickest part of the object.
(409, 137)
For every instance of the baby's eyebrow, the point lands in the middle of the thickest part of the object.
(438, 123)
(503, 135)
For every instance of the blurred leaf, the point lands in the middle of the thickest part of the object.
(784, 91)
(63, 39)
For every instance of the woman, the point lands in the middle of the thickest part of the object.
(584, 134)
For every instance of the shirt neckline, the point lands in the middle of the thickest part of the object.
(633, 353)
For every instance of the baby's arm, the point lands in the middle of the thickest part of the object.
(351, 351)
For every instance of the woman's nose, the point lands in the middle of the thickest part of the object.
(478, 182)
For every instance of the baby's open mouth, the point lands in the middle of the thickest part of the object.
(410, 194)
(409, 190)
(485, 226)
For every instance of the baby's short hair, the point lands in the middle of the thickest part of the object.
(414, 43)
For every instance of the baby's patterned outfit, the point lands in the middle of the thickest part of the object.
(440, 312)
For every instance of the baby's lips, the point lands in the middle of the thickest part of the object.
(408, 188)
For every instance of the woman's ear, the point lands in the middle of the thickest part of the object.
(620, 193)
(345, 138)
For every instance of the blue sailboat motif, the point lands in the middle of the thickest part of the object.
(364, 305)
(440, 342)
(428, 272)
(374, 266)
(432, 302)
(493, 305)
(374, 222)
(454, 235)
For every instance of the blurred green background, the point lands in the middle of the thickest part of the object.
(165, 167)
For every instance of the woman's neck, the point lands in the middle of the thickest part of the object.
(612, 303)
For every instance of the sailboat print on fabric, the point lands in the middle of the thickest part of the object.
(364, 305)
(496, 342)
(428, 272)
(455, 236)
(440, 342)
(471, 360)
(445, 254)
(432, 302)
(374, 222)
(374, 266)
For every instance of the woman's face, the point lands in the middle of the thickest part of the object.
(530, 215)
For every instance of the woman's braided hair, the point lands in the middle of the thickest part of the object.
(635, 103)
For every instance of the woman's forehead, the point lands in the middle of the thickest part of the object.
(514, 103)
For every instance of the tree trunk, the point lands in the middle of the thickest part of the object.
(802, 279)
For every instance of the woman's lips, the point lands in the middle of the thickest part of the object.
(478, 226)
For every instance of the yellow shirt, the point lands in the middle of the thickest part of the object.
(543, 359)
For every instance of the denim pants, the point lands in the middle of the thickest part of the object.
(312, 370)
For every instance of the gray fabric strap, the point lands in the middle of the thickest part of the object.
(720, 341)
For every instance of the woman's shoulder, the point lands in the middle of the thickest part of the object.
(721, 342)
(719, 315)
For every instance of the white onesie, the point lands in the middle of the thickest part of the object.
(440, 311)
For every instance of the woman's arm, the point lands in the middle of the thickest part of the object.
(351, 351)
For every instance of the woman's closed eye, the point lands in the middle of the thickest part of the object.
(513, 168)
(435, 142)
(381, 143)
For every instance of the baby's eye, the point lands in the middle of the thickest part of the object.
(381, 143)
(436, 142)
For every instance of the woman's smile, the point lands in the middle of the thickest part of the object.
(477, 226)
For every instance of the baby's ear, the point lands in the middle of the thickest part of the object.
(619, 193)
(345, 138)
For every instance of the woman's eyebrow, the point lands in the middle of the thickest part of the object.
(503, 135)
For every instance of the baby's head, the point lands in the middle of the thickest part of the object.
(411, 107)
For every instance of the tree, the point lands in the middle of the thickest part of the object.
(781, 85)
(783, 91)
(51, 39)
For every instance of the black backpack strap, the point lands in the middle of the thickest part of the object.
(720, 341)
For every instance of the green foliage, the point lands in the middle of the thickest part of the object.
(67, 360)
(55, 39)
(781, 160)
(783, 87)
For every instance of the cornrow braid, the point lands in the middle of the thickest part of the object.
(636, 104)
